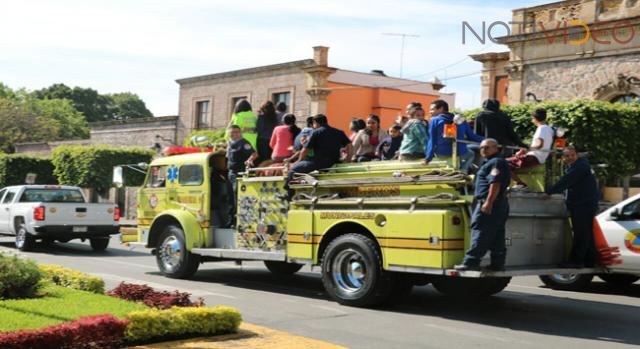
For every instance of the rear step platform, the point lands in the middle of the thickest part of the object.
(525, 271)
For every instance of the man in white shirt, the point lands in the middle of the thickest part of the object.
(540, 147)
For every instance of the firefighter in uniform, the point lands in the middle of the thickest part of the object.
(582, 202)
(490, 211)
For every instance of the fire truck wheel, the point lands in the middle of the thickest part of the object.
(470, 287)
(282, 268)
(24, 240)
(99, 244)
(619, 280)
(352, 272)
(567, 282)
(172, 257)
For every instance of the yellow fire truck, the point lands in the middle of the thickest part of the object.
(375, 229)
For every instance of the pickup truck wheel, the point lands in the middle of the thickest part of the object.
(352, 272)
(567, 282)
(619, 280)
(470, 287)
(24, 240)
(282, 268)
(172, 257)
(99, 245)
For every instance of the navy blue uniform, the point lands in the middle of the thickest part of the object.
(488, 230)
(582, 202)
(238, 152)
(326, 143)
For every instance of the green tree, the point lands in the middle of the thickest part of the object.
(20, 123)
(94, 106)
(127, 105)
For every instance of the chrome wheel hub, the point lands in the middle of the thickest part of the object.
(21, 236)
(170, 253)
(349, 271)
(565, 278)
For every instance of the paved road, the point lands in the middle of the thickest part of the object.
(526, 315)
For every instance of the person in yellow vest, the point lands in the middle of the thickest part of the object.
(244, 117)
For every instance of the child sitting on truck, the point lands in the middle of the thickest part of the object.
(240, 155)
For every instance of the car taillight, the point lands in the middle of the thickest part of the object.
(116, 214)
(39, 213)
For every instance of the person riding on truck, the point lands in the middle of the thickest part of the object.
(490, 211)
(582, 202)
(240, 155)
(491, 122)
(440, 147)
(539, 150)
(246, 120)
(326, 143)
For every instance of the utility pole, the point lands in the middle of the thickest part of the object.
(403, 36)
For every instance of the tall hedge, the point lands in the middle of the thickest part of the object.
(15, 167)
(608, 131)
(214, 136)
(92, 166)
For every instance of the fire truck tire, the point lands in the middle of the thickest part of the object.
(24, 241)
(99, 245)
(282, 268)
(352, 272)
(172, 257)
(567, 282)
(470, 287)
(619, 280)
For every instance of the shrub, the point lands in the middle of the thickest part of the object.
(14, 169)
(73, 279)
(214, 136)
(606, 130)
(100, 331)
(179, 322)
(153, 298)
(92, 166)
(19, 278)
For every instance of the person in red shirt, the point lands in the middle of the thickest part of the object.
(282, 139)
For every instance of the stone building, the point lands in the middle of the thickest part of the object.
(308, 87)
(160, 131)
(567, 50)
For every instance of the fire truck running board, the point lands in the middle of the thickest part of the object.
(241, 254)
(524, 271)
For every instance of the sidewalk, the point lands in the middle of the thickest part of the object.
(249, 336)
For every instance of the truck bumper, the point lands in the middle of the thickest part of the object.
(65, 232)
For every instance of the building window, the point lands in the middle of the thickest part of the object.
(626, 99)
(202, 113)
(235, 100)
(282, 97)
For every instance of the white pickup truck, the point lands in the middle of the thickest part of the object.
(617, 238)
(55, 213)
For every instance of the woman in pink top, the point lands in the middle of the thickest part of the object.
(283, 137)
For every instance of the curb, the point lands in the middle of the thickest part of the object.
(248, 336)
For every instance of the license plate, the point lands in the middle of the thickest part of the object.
(79, 229)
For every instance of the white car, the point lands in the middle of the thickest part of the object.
(617, 238)
(55, 213)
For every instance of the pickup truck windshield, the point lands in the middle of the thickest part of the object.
(52, 195)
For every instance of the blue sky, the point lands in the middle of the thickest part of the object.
(142, 46)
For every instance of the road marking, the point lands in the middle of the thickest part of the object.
(195, 292)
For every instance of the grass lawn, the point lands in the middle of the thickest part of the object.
(59, 304)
